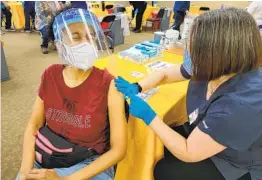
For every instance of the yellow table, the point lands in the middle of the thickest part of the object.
(144, 148)
(18, 16)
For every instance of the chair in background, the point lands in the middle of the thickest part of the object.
(120, 9)
(203, 9)
(158, 19)
(106, 25)
(109, 9)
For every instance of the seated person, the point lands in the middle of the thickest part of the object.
(78, 102)
(45, 11)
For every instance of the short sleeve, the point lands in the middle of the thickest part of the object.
(232, 123)
(184, 72)
(41, 90)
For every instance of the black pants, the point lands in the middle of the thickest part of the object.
(29, 11)
(171, 168)
(8, 17)
(179, 17)
(139, 16)
(47, 35)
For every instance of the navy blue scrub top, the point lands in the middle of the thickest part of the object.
(232, 117)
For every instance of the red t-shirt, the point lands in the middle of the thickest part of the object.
(79, 114)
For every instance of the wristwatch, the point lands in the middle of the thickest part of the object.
(139, 87)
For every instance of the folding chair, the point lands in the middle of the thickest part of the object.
(106, 25)
(158, 18)
(109, 9)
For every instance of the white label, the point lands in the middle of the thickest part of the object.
(193, 116)
(136, 74)
(147, 94)
(157, 65)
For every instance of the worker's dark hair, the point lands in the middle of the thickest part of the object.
(224, 41)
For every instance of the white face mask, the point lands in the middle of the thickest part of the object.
(81, 56)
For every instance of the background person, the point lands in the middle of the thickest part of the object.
(79, 4)
(180, 9)
(140, 7)
(45, 13)
(255, 9)
(29, 10)
(5, 10)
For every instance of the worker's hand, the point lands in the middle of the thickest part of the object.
(125, 87)
(140, 109)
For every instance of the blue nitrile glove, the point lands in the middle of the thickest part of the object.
(125, 87)
(140, 109)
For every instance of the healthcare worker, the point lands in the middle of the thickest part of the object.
(223, 137)
(77, 103)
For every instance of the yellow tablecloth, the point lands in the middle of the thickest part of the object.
(144, 148)
(18, 16)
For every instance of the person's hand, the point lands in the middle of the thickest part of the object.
(125, 87)
(42, 174)
(140, 109)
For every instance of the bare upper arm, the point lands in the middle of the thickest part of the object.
(173, 74)
(117, 118)
(38, 116)
(201, 146)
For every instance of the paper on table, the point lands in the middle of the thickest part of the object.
(147, 94)
(157, 65)
(136, 74)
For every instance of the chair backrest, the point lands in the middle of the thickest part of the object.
(204, 9)
(110, 11)
(109, 18)
(121, 9)
(108, 21)
(160, 13)
(109, 6)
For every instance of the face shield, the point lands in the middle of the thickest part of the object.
(79, 39)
